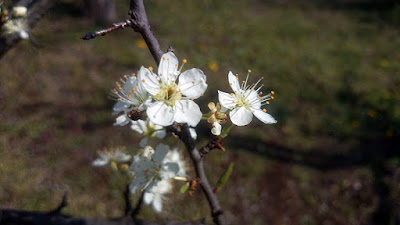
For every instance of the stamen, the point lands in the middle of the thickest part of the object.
(264, 110)
(150, 68)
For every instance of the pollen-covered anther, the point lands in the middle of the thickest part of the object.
(267, 102)
(249, 71)
(184, 61)
(163, 58)
(192, 99)
(150, 68)
(143, 80)
(230, 84)
(133, 74)
(264, 110)
(232, 94)
(272, 92)
(272, 97)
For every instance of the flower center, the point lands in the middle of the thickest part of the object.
(169, 93)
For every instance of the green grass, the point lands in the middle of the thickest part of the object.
(335, 78)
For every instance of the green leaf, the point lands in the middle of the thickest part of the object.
(184, 188)
(224, 178)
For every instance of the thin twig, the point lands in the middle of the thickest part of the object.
(62, 204)
(136, 211)
(115, 26)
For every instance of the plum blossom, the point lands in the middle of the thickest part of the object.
(130, 95)
(245, 102)
(148, 129)
(150, 167)
(216, 117)
(173, 101)
(154, 196)
(112, 156)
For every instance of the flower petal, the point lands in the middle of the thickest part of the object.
(149, 81)
(192, 83)
(187, 111)
(139, 126)
(122, 120)
(161, 114)
(228, 101)
(233, 82)
(160, 153)
(143, 142)
(119, 107)
(169, 170)
(148, 197)
(100, 161)
(193, 133)
(241, 116)
(263, 116)
(216, 130)
(157, 203)
(160, 133)
(168, 68)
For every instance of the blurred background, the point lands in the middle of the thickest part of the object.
(332, 158)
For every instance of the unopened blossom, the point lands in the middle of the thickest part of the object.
(174, 101)
(150, 167)
(19, 12)
(106, 157)
(216, 117)
(245, 101)
(148, 129)
(154, 195)
(131, 95)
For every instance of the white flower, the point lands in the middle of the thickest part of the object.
(149, 168)
(245, 101)
(108, 156)
(19, 11)
(174, 102)
(130, 95)
(216, 128)
(175, 157)
(154, 196)
(16, 26)
(149, 129)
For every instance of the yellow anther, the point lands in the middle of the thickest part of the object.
(163, 58)
(192, 99)
(134, 177)
(141, 189)
(116, 92)
(272, 92)
(119, 99)
(233, 101)
(143, 80)
(264, 110)
(249, 71)
(231, 94)
(133, 74)
(184, 61)
(150, 68)
(267, 102)
(230, 84)
(272, 97)
(202, 94)
(242, 81)
(260, 92)
(126, 76)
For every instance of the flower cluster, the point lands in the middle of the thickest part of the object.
(15, 23)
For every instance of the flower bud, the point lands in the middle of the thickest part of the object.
(19, 12)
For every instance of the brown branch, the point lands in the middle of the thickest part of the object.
(115, 26)
(37, 10)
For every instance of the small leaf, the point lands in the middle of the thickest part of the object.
(226, 131)
(184, 188)
(224, 178)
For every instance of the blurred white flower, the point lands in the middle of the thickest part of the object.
(18, 26)
(19, 11)
(106, 157)
(149, 168)
(245, 102)
(148, 129)
(130, 94)
(174, 102)
(154, 195)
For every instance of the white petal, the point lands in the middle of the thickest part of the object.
(122, 120)
(148, 151)
(226, 100)
(252, 99)
(169, 170)
(148, 197)
(149, 81)
(121, 156)
(160, 153)
(187, 111)
(157, 203)
(23, 34)
(143, 142)
(168, 68)
(139, 126)
(100, 162)
(161, 114)
(216, 130)
(263, 116)
(233, 82)
(193, 133)
(192, 83)
(241, 116)
(138, 183)
(120, 106)
(160, 134)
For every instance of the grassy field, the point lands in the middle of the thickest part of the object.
(334, 72)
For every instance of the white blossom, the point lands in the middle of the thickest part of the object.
(245, 101)
(18, 26)
(130, 94)
(108, 156)
(149, 168)
(175, 157)
(148, 129)
(154, 196)
(172, 101)
(19, 11)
